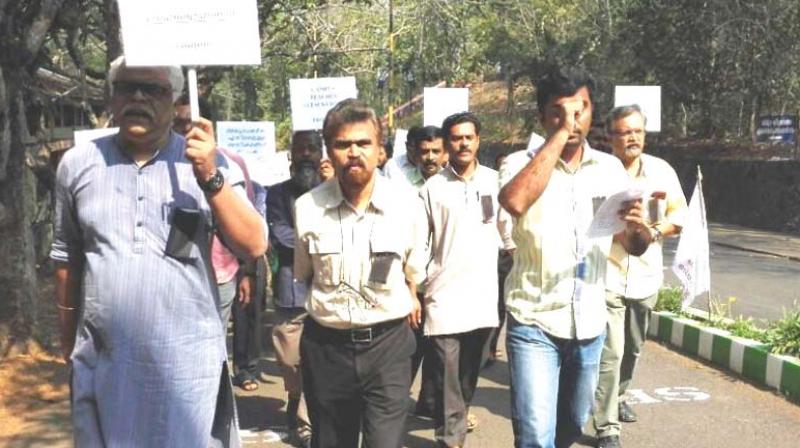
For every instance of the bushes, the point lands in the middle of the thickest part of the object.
(669, 299)
(781, 336)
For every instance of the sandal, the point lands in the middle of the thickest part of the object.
(245, 381)
(472, 422)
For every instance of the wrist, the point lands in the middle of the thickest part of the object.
(655, 234)
(212, 182)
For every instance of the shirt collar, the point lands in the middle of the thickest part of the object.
(449, 168)
(380, 195)
(589, 157)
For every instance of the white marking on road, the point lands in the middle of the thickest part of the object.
(666, 394)
(682, 393)
(640, 397)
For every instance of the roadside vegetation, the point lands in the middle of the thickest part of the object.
(781, 336)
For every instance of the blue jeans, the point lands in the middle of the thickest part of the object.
(552, 385)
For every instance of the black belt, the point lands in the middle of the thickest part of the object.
(354, 335)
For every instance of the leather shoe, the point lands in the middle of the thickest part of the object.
(626, 413)
(608, 442)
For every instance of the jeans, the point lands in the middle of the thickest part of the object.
(553, 382)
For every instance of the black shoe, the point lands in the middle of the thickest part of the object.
(626, 413)
(608, 442)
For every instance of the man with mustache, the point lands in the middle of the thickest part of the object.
(632, 282)
(359, 245)
(290, 295)
(134, 284)
(555, 292)
(425, 146)
(461, 287)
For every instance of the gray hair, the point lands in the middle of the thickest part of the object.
(174, 73)
(620, 112)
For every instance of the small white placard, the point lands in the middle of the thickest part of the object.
(270, 169)
(399, 146)
(81, 138)
(247, 137)
(441, 102)
(312, 98)
(646, 97)
(190, 32)
(253, 140)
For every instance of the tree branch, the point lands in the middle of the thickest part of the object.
(36, 33)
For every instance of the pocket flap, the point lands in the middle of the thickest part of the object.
(325, 243)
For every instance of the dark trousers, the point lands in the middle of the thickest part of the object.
(246, 339)
(354, 387)
(460, 358)
(431, 376)
(504, 262)
(247, 325)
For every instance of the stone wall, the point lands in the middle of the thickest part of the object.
(759, 194)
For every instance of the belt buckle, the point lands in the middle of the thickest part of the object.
(361, 335)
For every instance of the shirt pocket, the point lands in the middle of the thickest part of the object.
(386, 263)
(326, 258)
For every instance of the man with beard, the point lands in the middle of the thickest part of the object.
(134, 284)
(555, 292)
(358, 244)
(290, 295)
(461, 285)
(632, 282)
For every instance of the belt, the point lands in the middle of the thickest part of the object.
(355, 335)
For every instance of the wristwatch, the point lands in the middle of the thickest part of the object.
(656, 235)
(213, 184)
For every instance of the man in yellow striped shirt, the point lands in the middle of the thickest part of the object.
(555, 293)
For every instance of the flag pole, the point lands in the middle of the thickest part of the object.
(700, 184)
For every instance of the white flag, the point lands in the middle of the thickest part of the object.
(691, 264)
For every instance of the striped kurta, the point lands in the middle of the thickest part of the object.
(149, 354)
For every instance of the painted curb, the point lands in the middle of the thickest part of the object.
(745, 357)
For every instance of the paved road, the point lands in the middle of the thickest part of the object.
(681, 402)
(761, 269)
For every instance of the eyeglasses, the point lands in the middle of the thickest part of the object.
(628, 133)
(147, 89)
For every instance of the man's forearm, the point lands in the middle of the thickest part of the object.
(240, 224)
(527, 186)
(67, 291)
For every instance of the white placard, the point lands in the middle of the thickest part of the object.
(253, 140)
(311, 99)
(399, 146)
(646, 97)
(247, 137)
(190, 32)
(270, 169)
(81, 138)
(441, 102)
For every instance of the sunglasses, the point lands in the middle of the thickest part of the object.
(147, 89)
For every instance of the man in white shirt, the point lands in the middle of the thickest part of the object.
(461, 288)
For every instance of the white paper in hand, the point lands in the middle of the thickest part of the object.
(606, 220)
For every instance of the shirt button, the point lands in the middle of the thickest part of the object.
(141, 198)
(139, 224)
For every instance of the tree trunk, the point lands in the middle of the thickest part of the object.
(19, 305)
